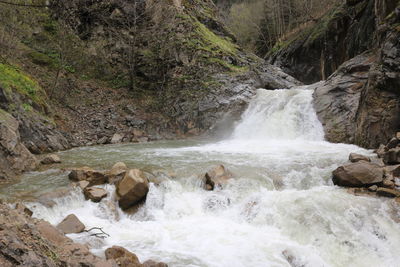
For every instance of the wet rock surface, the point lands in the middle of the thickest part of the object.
(25, 241)
(358, 174)
(216, 178)
(94, 194)
(370, 178)
(132, 188)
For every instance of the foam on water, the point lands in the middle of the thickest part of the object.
(280, 210)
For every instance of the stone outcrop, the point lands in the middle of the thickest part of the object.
(71, 225)
(132, 188)
(25, 241)
(15, 158)
(358, 174)
(316, 52)
(336, 100)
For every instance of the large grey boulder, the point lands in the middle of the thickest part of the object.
(132, 188)
(358, 174)
(71, 225)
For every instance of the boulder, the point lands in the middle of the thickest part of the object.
(373, 188)
(393, 143)
(392, 156)
(387, 183)
(132, 188)
(116, 138)
(381, 150)
(216, 177)
(387, 192)
(71, 225)
(358, 174)
(116, 173)
(393, 170)
(353, 157)
(88, 174)
(94, 194)
(122, 256)
(83, 184)
(51, 159)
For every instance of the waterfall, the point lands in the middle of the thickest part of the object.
(280, 114)
(280, 209)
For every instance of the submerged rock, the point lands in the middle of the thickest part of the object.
(353, 157)
(217, 177)
(94, 194)
(71, 225)
(51, 159)
(358, 174)
(132, 188)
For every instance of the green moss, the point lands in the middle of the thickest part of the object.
(222, 44)
(228, 66)
(12, 78)
(27, 107)
(41, 59)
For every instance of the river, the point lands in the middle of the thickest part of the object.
(281, 209)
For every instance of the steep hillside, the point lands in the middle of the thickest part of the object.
(81, 72)
(360, 102)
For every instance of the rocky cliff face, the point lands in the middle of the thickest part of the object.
(14, 156)
(359, 103)
(316, 52)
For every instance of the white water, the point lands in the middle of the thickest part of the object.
(282, 201)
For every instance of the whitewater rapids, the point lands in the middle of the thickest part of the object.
(281, 209)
